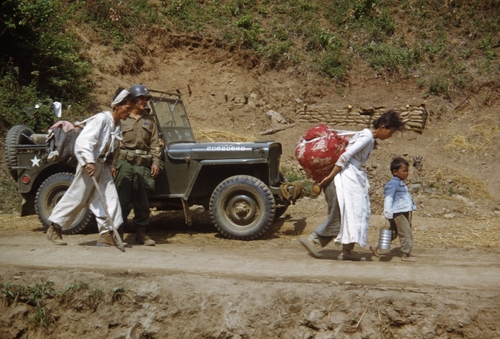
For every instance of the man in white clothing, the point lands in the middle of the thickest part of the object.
(96, 149)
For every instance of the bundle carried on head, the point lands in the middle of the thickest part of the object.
(318, 150)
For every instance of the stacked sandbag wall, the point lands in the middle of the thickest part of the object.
(414, 116)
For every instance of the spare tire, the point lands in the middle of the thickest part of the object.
(15, 137)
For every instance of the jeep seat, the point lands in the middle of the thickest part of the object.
(39, 138)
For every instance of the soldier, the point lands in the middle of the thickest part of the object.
(138, 163)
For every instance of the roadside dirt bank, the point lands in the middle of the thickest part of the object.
(195, 284)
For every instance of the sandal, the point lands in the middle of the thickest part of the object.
(409, 258)
(374, 251)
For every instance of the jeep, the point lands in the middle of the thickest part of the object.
(239, 183)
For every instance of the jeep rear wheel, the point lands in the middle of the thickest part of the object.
(242, 207)
(48, 195)
(15, 137)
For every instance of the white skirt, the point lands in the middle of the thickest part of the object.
(354, 203)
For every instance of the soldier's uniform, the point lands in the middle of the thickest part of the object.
(139, 150)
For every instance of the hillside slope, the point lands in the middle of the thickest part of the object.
(196, 284)
(457, 145)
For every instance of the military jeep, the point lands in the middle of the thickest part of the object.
(239, 183)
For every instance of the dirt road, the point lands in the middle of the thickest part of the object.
(436, 269)
(195, 284)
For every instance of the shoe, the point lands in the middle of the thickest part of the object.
(311, 247)
(142, 238)
(409, 258)
(107, 239)
(54, 234)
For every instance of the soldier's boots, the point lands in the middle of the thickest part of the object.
(54, 234)
(108, 239)
(142, 238)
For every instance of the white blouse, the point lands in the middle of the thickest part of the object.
(358, 149)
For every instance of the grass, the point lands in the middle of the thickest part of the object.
(448, 48)
(35, 296)
(293, 174)
(477, 138)
(462, 184)
(118, 293)
(38, 297)
(10, 202)
(386, 58)
(330, 35)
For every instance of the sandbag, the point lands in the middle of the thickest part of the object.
(318, 150)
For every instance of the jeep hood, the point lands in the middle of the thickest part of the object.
(222, 150)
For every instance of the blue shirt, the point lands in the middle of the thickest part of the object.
(397, 199)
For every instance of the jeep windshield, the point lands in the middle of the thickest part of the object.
(172, 118)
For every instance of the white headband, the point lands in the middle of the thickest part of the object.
(119, 98)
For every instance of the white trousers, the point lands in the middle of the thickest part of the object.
(82, 193)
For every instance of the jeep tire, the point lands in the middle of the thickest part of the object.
(48, 195)
(15, 137)
(242, 207)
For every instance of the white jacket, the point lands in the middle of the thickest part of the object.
(99, 138)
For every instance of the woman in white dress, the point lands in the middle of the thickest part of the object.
(346, 191)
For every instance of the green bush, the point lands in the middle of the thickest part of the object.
(116, 20)
(436, 85)
(292, 175)
(333, 63)
(18, 105)
(248, 32)
(277, 53)
(373, 18)
(43, 61)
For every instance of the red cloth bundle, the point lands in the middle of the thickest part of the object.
(318, 150)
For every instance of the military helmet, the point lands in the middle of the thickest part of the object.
(138, 90)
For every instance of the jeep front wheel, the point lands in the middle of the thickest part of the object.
(242, 207)
(48, 195)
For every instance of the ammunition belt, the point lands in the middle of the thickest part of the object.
(137, 157)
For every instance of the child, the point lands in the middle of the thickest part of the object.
(398, 207)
